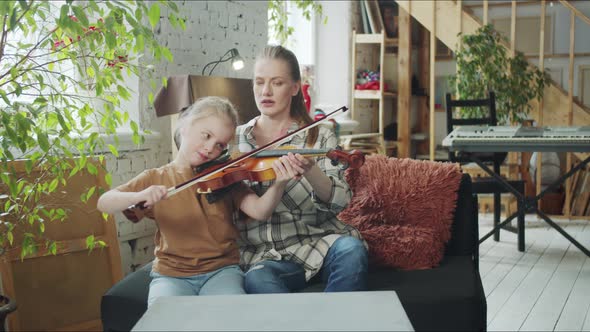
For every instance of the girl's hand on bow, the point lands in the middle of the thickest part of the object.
(152, 194)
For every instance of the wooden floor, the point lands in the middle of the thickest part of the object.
(545, 288)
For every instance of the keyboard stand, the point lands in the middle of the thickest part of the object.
(529, 204)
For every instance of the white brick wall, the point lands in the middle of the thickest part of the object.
(212, 28)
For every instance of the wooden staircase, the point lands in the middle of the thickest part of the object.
(446, 19)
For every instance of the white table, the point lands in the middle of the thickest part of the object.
(346, 311)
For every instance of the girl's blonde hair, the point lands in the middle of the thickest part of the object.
(203, 108)
(298, 110)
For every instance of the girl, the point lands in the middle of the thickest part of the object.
(196, 251)
(303, 237)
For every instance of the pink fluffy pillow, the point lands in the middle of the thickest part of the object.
(404, 209)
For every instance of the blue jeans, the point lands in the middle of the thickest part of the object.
(226, 280)
(344, 269)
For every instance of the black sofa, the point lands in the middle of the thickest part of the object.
(449, 297)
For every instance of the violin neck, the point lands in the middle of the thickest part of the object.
(303, 152)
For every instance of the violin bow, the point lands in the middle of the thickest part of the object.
(216, 169)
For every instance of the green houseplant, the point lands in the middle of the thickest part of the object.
(484, 64)
(62, 73)
(62, 77)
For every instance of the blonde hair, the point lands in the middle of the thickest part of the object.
(298, 110)
(202, 108)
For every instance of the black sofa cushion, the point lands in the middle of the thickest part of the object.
(432, 297)
(124, 304)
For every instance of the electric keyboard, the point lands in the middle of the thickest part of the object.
(518, 138)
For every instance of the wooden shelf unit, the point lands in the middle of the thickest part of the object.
(368, 52)
(373, 140)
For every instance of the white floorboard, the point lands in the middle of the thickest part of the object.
(576, 308)
(500, 293)
(545, 288)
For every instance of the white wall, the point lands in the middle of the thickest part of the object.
(332, 65)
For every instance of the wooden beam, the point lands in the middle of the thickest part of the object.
(540, 109)
(485, 12)
(512, 156)
(542, 57)
(424, 115)
(571, 69)
(570, 112)
(495, 4)
(431, 89)
(353, 78)
(460, 15)
(460, 41)
(559, 55)
(513, 29)
(404, 92)
(576, 11)
(381, 123)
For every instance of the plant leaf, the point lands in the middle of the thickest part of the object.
(154, 14)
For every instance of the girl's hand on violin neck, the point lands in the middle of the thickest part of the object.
(153, 194)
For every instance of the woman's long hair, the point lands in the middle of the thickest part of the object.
(298, 110)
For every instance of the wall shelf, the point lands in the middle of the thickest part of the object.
(372, 94)
(375, 38)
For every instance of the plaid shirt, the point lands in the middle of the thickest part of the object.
(302, 228)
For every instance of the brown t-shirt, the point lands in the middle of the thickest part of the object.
(193, 236)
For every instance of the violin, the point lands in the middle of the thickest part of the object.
(130, 212)
(259, 167)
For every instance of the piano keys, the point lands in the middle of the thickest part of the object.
(519, 139)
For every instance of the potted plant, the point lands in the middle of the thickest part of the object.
(62, 71)
(484, 64)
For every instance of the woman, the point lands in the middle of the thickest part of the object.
(303, 237)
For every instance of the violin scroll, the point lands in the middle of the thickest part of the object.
(354, 159)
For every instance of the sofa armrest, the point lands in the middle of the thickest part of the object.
(124, 303)
(464, 230)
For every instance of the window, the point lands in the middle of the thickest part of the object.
(302, 41)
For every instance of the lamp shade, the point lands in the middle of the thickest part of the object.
(233, 55)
